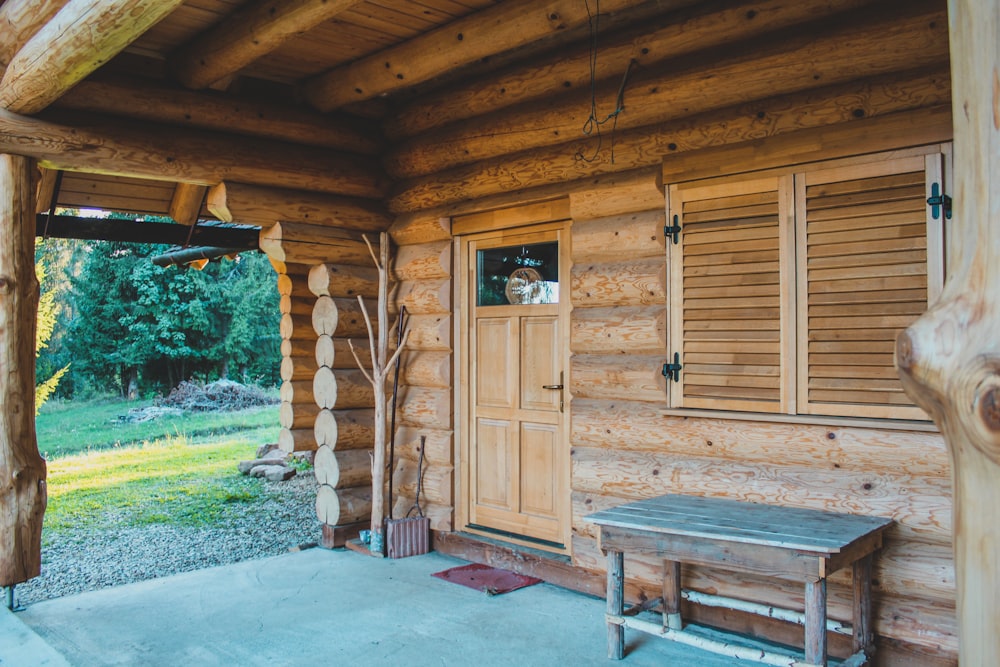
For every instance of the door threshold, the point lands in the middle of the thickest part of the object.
(556, 569)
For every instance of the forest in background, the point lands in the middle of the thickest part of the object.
(125, 326)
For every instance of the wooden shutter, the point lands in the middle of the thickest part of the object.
(862, 235)
(728, 308)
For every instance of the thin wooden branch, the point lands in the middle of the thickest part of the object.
(361, 366)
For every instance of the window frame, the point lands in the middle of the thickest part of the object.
(793, 300)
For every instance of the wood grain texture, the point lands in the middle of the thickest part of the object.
(82, 36)
(466, 40)
(415, 229)
(920, 506)
(635, 282)
(609, 239)
(296, 440)
(339, 318)
(158, 152)
(20, 20)
(343, 281)
(422, 368)
(262, 205)
(336, 353)
(438, 447)
(625, 330)
(342, 389)
(302, 243)
(343, 469)
(623, 377)
(140, 98)
(438, 482)
(297, 415)
(340, 506)
(22, 470)
(423, 261)
(425, 297)
(669, 35)
(752, 71)
(948, 359)
(631, 191)
(345, 429)
(430, 332)
(649, 145)
(425, 407)
(247, 34)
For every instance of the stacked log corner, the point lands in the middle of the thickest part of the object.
(344, 426)
(298, 411)
(423, 269)
(624, 448)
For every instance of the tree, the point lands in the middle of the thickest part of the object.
(48, 310)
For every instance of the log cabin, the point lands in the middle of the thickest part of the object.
(724, 248)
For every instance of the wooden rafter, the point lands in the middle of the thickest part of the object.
(130, 231)
(258, 205)
(140, 98)
(500, 28)
(173, 154)
(20, 20)
(81, 37)
(248, 34)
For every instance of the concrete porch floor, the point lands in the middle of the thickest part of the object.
(320, 607)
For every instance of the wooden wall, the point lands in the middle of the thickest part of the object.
(860, 78)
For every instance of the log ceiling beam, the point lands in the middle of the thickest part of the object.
(186, 203)
(171, 154)
(130, 231)
(20, 20)
(752, 70)
(500, 28)
(142, 99)
(264, 206)
(949, 358)
(691, 29)
(248, 34)
(81, 37)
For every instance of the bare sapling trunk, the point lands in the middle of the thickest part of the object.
(381, 364)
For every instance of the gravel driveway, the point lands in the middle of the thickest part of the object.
(89, 560)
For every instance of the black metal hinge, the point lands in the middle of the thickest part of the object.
(938, 201)
(673, 230)
(673, 371)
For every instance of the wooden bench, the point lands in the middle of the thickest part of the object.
(763, 539)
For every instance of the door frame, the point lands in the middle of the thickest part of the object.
(464, 292)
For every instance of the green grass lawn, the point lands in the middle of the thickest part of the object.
(69, 427)
(176, 470)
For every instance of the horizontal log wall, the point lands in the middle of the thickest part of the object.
(423, 269)
(624, 448)
(783, 77)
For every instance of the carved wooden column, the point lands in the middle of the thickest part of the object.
(950, 358)
(22, 469)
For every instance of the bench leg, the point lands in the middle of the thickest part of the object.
(864, 637)
(616, 603)
(672, 595)
(816, 622)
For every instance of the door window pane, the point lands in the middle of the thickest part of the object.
(520, 274)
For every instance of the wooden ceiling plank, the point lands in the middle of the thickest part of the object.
(20, 20)
(186, 203)
(249, 34)
(45, 189)
(112, 146)
(484, 33)
(81, 37)
(139, 98)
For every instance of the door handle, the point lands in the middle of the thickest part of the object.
(557, 387)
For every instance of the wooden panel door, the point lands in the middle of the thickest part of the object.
(516, 451)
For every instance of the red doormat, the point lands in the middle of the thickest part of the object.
(490, 580)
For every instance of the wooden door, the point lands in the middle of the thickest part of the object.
(518, 466)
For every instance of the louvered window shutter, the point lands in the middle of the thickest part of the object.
(863, 239)
(730, 296)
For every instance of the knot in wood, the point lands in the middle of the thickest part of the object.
(6, 285)
(987, 406)
(904, 352)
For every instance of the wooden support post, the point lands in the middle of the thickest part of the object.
(816, 622)
(22, 469)
(616, 603)
(949, 359)
(672, 595)
(864, 636)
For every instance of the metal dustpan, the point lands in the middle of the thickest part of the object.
(410, 536)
